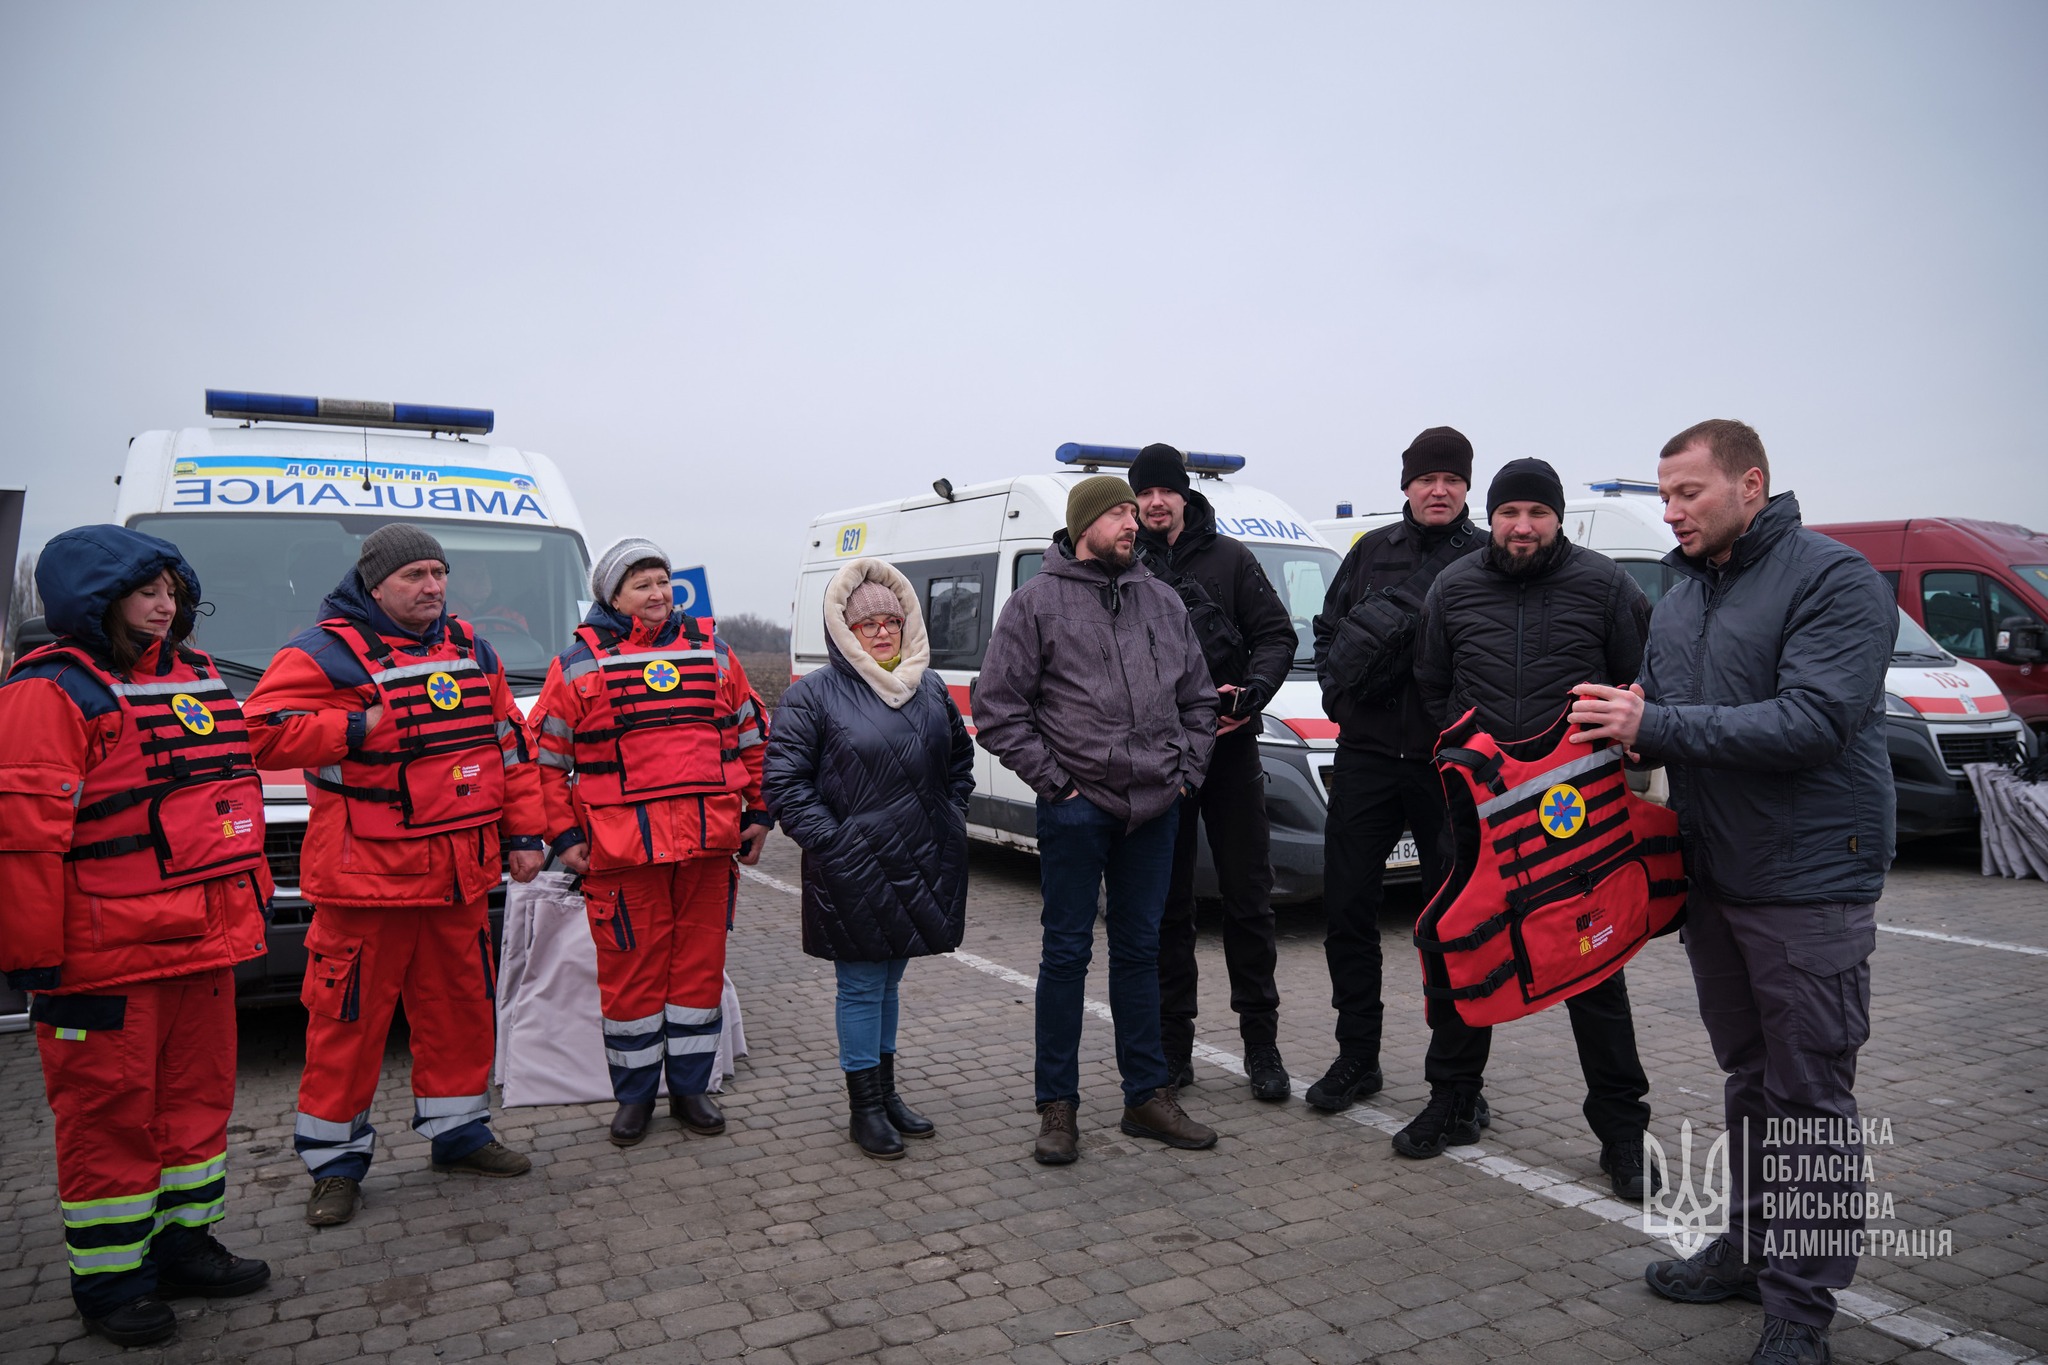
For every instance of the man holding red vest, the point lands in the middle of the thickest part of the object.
(650, 741)
(416, 766)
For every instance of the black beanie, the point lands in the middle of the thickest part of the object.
(390, 548)
(1526, 481)
(1160, 466)
(1440, 450)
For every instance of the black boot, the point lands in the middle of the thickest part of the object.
(1177, 1041)
(191, 1264)
(629, 1125)
(868, 1123)
(139, 1322)
(902, 1117)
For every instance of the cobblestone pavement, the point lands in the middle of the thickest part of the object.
(1300, 1237)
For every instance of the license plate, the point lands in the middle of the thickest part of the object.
(1404, 854)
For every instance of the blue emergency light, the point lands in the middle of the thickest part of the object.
(1614, 488)
(348, 412)
(1121, 457)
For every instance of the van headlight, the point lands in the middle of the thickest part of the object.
(1895, 705)
(1275, 731)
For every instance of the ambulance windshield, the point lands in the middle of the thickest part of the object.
(1301, 574)
(265, 576)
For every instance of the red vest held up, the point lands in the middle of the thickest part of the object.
(177, 800)
(653, 727)
(435, 764)
(1560, 873)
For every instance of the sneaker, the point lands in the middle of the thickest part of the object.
(1791, 1343)
(205, 1269)
(1059, 1134)
(1623, 1162)
(1713, 1273)
(138, 1322)
(1163, 1120)
(334, 1201)
(493, 1159)
(1450, 1119)
(1348, 1079)
(1268, 1075)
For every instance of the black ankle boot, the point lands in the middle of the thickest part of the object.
(868, 1123)
(902, 1117)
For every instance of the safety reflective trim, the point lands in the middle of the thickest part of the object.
(685, 1014)
(197, 1174)
(512, 757)
(746, 712)
(749, 740)
(69, 1035)
(578, 669)
(548, 758)
(120, 1208)
(439, 1106)
(327, 1130)
(556, 726)
(640, 658)
(504, 728)
(632, 1061)
(317, 1158)
(678, 1047)
(101, 1260)
(448, 666)
(632, 1028)
(330, 773)
(194, 1215)
(209, 688)
(1564, 772)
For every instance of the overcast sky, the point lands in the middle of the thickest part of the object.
(736, 266)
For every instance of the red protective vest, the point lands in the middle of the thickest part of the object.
(436, 764)
(177, 800)
(1560, 873)
(653, 728)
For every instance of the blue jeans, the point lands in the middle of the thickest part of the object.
(866, 1012)
(1080, 847)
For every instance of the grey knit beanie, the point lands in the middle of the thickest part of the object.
(871, 599)
(620, 556)
(388, 549)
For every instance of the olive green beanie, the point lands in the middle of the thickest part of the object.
(1090, 498)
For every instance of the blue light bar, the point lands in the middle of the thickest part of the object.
(1120, 457)
(348, 412)
(1614, 488)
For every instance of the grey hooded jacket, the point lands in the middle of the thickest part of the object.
(1097, 681)
(1764, 693)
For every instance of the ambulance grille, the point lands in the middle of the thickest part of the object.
(281, 847)
(1958, 750)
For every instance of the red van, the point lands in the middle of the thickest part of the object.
(1979, 587)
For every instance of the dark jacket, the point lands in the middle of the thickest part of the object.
(1097, 681)
(1383, 561)
(1246, 635)
(1764, 681)
(877, 798)
(1515, 646)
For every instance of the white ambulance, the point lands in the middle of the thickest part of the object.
(271, 513)
(966, 550)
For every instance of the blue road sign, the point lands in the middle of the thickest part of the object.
(693, 591)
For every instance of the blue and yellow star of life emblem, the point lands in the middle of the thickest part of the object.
(1563, 811)
(661, 676)
(192, 714)
(443, 691)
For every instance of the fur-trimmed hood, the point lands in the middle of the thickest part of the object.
(847, 651)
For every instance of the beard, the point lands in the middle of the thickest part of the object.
(1521, 565)
(1112, 556)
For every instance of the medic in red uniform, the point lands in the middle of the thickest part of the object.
(649, 739)
(416, 765)
(132, 882)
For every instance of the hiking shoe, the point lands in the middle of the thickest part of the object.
(1267, 1073)
(1059, 1134)
(205, 1269)
(1452, 1118)
(138, 1322)
(1713, 1273)
(334, 1201)
(1623, 1162)
(1791, 1343)
(493, 1159)
(1348, 1079)
(1163, 1120)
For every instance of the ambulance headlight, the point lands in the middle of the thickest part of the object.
(1273, 730)
(1895, 705)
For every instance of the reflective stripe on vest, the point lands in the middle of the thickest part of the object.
(654, 727)
(1559, 874)
(176, 800)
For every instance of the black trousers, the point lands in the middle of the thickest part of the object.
(1232, 803)
(1371, 801)
(1606, 1034)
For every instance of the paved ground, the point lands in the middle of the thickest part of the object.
(1300, 1237)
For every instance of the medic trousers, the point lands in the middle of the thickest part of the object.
(660, 935)
(141, 1081)
(360, 962)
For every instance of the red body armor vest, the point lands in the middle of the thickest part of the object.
(654, 728)
(1560, 873)
(177, 800)
(435, 765)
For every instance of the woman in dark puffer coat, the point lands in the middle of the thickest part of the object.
(869, 769)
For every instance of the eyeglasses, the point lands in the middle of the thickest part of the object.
(875, 629)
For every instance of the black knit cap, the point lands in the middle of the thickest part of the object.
(388, 549)
(1440, 450)
(1526, 481)
(1160, 466)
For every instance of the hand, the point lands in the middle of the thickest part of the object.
(1614, 713)
(372, 716)
(751, 840)
(524, 863)
(576, 858)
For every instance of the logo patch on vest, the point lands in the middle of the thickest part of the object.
(443, 691)
(192, 714)
(1563, 811)
(661, 676)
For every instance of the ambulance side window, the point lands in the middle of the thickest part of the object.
(1026, 568)
(1652, 576)
(954, 593)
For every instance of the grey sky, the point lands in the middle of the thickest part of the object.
(733, 267)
